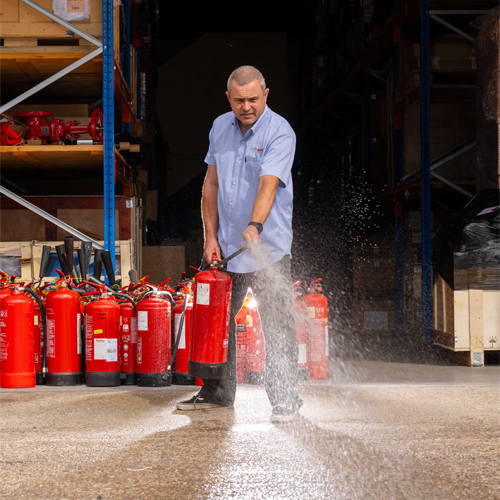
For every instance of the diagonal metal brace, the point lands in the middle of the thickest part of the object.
(50, 218)
(50, 80)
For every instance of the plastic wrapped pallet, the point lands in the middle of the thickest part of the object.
(72, 10)
(487, 98)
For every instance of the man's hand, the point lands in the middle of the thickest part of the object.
(211, 247)
(251, 234)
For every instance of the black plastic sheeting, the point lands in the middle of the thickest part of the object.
(470, 241)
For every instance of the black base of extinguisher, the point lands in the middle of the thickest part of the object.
(102, 379)
(255, 378)
(204, 370)
(153, 380)
(303, 375)
(183, 379)
(40, 379)
(63, 379)
(128, 378)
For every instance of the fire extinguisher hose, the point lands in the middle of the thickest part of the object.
(126, 297)
(44, 322)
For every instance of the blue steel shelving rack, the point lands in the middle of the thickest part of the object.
(109, 127)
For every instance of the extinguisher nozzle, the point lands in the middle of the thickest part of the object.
(167, 377)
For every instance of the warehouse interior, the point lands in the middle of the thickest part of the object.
(106, 108)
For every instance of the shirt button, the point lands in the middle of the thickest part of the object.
(230, 204)
(242, 142)
(230, 225)
(230, 245)
(234, 183)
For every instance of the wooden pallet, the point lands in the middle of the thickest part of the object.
(466, 321)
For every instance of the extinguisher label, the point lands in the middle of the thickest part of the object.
(51, 345)
(100, 349)
(97, 332)
(228, 300)
(78, 333)
(35, 320)
(249, 321)
(139, 351)
(125, 327)
(133, 327)
(111, 350)
(182, 342)
(302, 354)
(142, 320)
(203, 294)
(326, 340)
(311, 312)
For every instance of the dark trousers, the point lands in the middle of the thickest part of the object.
(272, 288)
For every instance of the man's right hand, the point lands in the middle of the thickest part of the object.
(211, 247)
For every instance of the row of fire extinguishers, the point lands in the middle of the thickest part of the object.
(81, 330)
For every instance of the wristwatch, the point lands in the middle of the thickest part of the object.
(258, 225)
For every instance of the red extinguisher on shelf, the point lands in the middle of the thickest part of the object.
(210, 322)
(317, 313)
(153, 338)
(64, 343)
(241, 345)
(17, 346)
(256, 347)
(181, 361)
(102, 332)
(301, 331)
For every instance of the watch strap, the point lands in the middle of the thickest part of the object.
(258, 225)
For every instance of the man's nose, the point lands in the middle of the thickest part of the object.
(246, 106)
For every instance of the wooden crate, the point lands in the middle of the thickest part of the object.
(30, 254)
(23, 25)
(466, 321)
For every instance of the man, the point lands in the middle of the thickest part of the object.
(247, 199)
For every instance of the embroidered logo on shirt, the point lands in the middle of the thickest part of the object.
(256, 150)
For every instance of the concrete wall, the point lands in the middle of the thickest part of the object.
(191, 88)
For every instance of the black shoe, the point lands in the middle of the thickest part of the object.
(197, 403)
(283, 413)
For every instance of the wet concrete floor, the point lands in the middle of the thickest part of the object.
(375, 431)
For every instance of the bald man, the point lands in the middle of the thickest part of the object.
(248, 198)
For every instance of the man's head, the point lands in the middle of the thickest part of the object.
(247, 94)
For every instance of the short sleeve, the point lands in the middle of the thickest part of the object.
(210, 158)
(278, 158)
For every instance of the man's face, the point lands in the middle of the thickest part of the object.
(247, 102)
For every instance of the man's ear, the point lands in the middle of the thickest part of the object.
(228, 98)
(266, 93)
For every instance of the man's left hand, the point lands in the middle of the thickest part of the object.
(251, 234)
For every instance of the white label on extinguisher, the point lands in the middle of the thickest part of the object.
(51, 345)
(133, 328)
(182, 342)
(78, 333)
(35, 319)
(139, 351)
(326, 341)
(249, 321)
(311, 312)
(302, 354)
(111, 349)
(142, 320)
(203, 294)
(100, 349)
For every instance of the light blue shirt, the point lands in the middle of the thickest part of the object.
(267, 148)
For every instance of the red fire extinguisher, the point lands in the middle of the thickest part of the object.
(241, 345)
(153, 338)
(128, 343)
(256, 349)
(301, 331)
(180, 374)
(64, 323)
(102, 332)
(17, 347)
(210, 323)
(317, 311)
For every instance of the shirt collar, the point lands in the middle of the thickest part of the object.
(258, 123)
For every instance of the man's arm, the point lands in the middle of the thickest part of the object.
(266, 192)
(210, 213)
